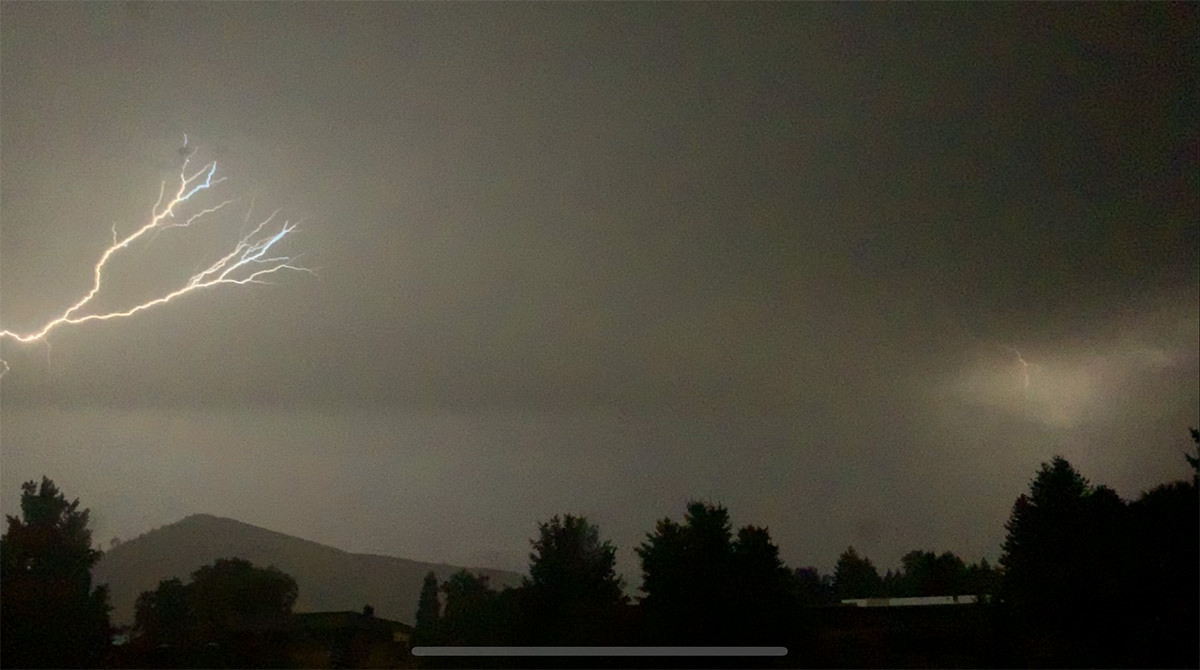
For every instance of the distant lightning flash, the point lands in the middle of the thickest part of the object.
(1024, 364)
(250, 261)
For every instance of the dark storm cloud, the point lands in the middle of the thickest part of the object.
(795, 252)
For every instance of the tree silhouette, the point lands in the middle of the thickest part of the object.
(1194, 461)
(703, 586)
(163, 616)
(573, 593)
(763, 596)
(1042, 547)
(228, 595)
(221, 616)
(925, 573)
(812, 588)
(465, 592)
(429, 612)
(1165, 551)
(50, 616)
(1068, 566)
(686, 570)
(982, 580)
(233, 593)
(856, 577)
(474, 613)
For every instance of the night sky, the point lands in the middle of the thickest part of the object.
(853, 270)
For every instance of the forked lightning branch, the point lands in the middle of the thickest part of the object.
(252, 259)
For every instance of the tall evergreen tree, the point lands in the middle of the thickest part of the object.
(573, 593)
(1066, 565)
(429, 611)
(704, 586)
(1165, 547)
(686, 570)
(1041, 548)
(763, 595)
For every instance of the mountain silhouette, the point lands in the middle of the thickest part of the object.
(329, 579)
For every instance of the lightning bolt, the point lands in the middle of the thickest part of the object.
(252, 259)
(1024, 364)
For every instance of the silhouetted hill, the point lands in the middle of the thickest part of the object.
(329, 579)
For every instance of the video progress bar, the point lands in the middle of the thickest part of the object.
(599, 651)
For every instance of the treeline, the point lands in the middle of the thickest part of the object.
(1085, 579)
(1091, 579)
(702, 583)
(208, 620)
(921, 573)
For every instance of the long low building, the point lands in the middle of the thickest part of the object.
(910, 602)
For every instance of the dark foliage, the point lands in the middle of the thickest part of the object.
(926, 573)
(1194, 461)
(1163, 549)
(573, 594)
(983, 580)
(51, 616)
(472, 615)
(233, 594)
(763, 594)
(229, 606)
(704, 587)
(1086, 579)
(164, 615)
(685, 574)
(429, 612)
(812, 588)
(1091, 580)
(856, 577)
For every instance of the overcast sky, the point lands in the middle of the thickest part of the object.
(853, 270)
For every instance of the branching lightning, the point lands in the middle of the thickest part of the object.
(251, 260)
